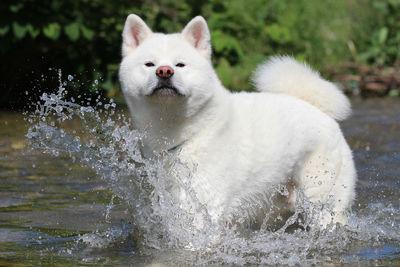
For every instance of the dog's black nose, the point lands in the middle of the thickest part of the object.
(165, 72)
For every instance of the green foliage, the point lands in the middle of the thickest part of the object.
(84, 37)
(383, 45)
(32, 31)
(4, 30)
(19, 30)
(52, 30)
(72, 31)
(87, 33)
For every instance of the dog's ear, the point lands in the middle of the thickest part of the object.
(134, 33)
(197, 34)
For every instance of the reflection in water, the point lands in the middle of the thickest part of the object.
(96, 199)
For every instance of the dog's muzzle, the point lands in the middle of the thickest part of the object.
(165, 87)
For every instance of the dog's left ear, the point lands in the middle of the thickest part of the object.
(197, 34)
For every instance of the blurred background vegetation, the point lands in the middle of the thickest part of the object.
(83, 38)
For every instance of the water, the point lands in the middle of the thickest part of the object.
(75, 190)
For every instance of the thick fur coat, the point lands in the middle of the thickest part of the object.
(241, 144)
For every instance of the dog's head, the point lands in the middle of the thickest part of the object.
(162, 68)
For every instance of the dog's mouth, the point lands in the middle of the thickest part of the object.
(165, 90)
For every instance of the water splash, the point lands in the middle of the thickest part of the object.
(161, 225)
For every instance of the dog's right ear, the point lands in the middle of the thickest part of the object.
(134, 33)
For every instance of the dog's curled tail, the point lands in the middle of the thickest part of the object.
(287, 76)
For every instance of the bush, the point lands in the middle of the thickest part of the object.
(382, 47)
(84, 37)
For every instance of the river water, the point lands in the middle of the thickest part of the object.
(74, 190)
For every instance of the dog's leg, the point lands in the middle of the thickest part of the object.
(327, 178)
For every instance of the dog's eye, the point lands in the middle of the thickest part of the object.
(149, 64)
(180, 65)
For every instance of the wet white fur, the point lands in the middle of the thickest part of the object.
(242, 144)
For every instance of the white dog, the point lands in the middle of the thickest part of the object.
(242, 144)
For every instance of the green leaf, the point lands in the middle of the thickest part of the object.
(4, 30)
(16, 8)
(32, 31)
(72, 31)
(87, 33)
(278, 33)
(52, 31)
(383, 32)
(19, 30)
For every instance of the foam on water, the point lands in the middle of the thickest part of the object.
(161, 226)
